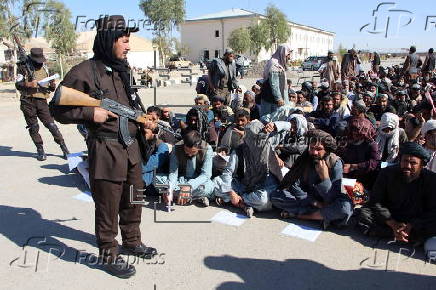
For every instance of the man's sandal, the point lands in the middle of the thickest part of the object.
(249, 211)
(287, 215)
(219, 201)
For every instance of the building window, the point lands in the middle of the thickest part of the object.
(217, 53)
(217, 33)
(206, 54)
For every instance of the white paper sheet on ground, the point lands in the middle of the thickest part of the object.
(302, 232)
(82, 167)
(225, 158)
(84, 196)
(74, 159)
(386, 164)
(229, 218)
(284, 170)
(348, 182)
(45, 81)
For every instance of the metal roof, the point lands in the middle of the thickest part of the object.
(234, 12)
(239, 13)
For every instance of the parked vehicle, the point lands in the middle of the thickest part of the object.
(177, 62)
(313, 62)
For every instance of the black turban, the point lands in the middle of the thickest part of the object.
(414, 149)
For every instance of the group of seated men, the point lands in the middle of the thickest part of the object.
(295, 158)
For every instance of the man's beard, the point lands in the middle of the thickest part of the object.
(408, 177)
(315, 159)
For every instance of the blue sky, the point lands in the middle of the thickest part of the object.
(345, 18)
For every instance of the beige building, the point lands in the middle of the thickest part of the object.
(141, 53)
(207, 35)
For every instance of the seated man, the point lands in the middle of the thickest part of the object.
(359, 110)
(203, 101)
(250, 105)
(220, 110)
(190, 170)
(157, 153)
(302, 103)
(326, 119)
(428, 131)
(389, 137)
(360, 152)
(252, 172)
(403, 201)
(196, 119)
(312, 189)
(165, 132)
(340, 105)
(232, 137)
(382, 107)
(293, 143)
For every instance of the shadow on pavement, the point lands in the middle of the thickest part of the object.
(62, 168)
(306, 274)
(65, 180)
(28, 230)
(7, 151)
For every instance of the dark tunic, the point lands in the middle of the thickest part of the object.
(415, 202)
(111, 161)
(367, 159)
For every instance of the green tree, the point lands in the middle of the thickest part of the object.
(258, 37)
(276, 26)
(59, 30)
(165, 16)
(180, 48)
(341, 51)
(239, 40)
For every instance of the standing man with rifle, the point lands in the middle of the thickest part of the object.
(31, 70)
(114, 153)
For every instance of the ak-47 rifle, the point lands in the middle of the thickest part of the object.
(65, 96)
(23, 59)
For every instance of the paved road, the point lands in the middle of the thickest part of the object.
(36, 200)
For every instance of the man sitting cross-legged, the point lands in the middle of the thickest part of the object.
(253, 171)
(312, 189)
(403, 201)
(190, 170)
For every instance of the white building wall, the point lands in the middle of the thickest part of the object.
(200, 36)
(138, 59)
(142, 59)
(3, 48)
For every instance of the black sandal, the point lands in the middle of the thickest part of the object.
(287, 215)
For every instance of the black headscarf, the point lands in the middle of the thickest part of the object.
(103, 45)
(414, 149)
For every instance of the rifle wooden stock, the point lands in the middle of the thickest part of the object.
(65, 96)
(70, 97)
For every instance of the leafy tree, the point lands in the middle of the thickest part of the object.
(164, 16)
(239, 40)
(276, 26)
(180, 48)
(20, 18)
(341, 51)
(258, 37)
(59, 30)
